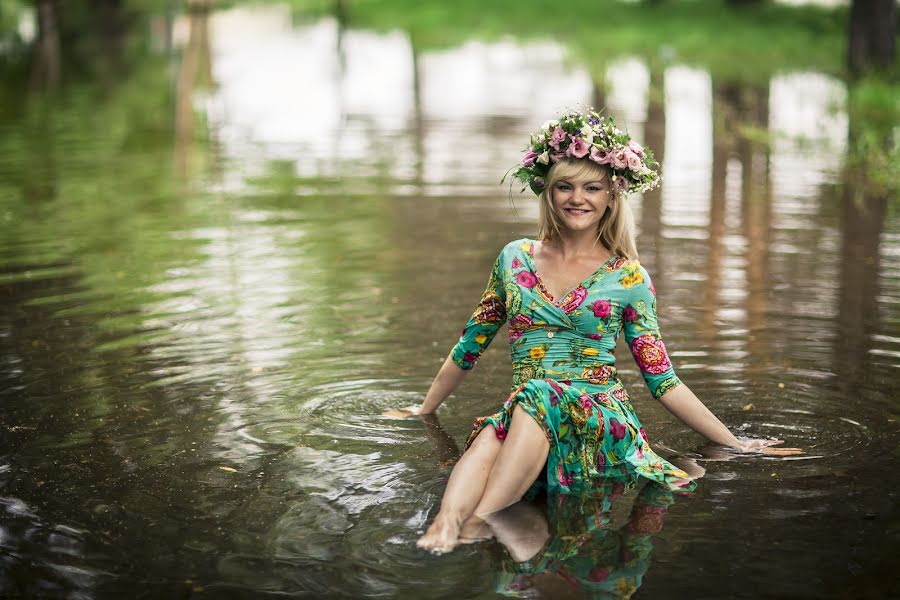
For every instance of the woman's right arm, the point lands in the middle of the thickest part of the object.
(444, 384)
(476, 336)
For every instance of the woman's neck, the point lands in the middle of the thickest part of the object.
(577, 244)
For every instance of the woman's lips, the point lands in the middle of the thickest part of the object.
(576, 212)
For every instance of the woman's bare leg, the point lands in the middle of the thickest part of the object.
(517, 465)
(522, 528)
(464, 491)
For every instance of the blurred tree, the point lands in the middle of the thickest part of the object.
(45, 67)
(873, 31)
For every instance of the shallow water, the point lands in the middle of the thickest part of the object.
(199, 333)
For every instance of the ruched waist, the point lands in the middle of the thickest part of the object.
(562, 354)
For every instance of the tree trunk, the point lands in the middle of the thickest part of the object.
(45, 69)
(873, 29)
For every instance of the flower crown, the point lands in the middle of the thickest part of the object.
(592, 137)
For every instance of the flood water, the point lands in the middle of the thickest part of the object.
(216, 276)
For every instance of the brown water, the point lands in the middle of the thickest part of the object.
(198, 334)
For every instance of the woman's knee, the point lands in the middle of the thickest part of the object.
(523, 420)
(487, 441)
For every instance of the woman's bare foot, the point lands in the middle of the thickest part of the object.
(442, 536)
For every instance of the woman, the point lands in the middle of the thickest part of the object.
(568, 417)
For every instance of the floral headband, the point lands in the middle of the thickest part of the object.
(592, 137)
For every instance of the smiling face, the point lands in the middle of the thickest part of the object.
(580, 204)
(579, 194)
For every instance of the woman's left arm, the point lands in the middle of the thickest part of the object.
(641, 328)
(684, 404)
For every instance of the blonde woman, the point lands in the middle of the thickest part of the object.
(566, 297)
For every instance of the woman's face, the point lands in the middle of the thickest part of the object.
(580, 204)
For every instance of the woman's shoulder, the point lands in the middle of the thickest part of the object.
(518, 246)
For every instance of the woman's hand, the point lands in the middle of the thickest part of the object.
(402, 413)
(759, 446)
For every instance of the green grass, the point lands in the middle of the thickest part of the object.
(745, 44)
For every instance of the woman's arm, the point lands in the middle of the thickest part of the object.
(684, 404)
(444, 384)
(476, 336)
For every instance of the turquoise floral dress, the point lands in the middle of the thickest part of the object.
(564, 372)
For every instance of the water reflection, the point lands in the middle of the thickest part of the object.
(193, 361)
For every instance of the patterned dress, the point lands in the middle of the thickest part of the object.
(563, 365)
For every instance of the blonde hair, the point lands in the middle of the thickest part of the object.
(616, 228)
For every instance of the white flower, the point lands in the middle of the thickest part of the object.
(587, 132)
(549, 124)
(544, 158)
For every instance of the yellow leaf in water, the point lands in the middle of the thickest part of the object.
(748, 407)
(781, 385)
(228, 469)
(774, 474)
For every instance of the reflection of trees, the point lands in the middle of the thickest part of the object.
(45, 68)
(724, 131)
(862, 216)
(872, 35)
(651, 240)
(195, 71)
(756, 214)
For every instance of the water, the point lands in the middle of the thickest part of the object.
(200, 332)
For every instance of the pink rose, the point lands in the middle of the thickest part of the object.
(529, 157)
(526, 279)
(616, 429)
(516, 263)
(565, 479)
(558, 137)
(518, 325)
(636, 148)
(629, 314)
(621, 184)
(574, 299)
(578, 148)
(601, 157)
(619, 161)
(500, 430)
(650, 354)
(633, 160)
(557, 156)
(585, 403)
(601, 308)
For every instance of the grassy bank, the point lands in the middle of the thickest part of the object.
(744, 44)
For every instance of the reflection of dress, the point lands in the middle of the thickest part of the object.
(585, 551)
(563, 373)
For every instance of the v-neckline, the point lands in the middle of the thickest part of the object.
(529, 254)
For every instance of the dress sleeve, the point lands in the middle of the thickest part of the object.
(489, 316)
(642, 332)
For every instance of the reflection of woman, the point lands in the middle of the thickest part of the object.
(566, 299)
(586, 554)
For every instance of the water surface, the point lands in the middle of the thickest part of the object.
(200, 329)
